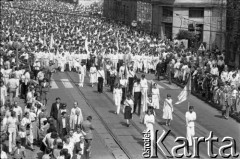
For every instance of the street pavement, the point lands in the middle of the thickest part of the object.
(112, 139)
(131, 138)
(65, 90)
(208, 118)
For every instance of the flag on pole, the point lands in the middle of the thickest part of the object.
(40, 39)
(51, 41)
(185, 92)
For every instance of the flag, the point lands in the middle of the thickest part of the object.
(51, 41)
(185, 92)
(40, 39)
(44, 40)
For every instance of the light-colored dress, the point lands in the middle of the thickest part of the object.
(155, 97)
(93, 75)
(144, 89)
(148, 121)
(117, 95)
(167, 109)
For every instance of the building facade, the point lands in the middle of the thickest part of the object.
(233, 33)
(206, 18)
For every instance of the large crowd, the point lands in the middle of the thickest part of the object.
(42, 37)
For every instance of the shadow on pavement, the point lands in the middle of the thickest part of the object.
(218, 116)
(111, 111)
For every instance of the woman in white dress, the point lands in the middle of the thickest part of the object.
(117, 95)
(93, 75)
(149, 121)
(155, 96)
(167, 110)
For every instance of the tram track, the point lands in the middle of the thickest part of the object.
(136, 127)
(118, 142)
(128, 154)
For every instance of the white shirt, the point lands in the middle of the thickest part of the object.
(131, 73)
(76, 136)
(190, 118)
(12, 122)
(101, 73)
(136, 87)
(144, 83)
(17, 110)
(63, 123)
(4, 155)
(70, 147)
(123, 82)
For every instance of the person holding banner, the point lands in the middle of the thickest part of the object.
(168, 110)
(190, 119)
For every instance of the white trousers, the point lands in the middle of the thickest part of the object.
(144, 99)
(12, 138)
(81, 80)
(117, 100)
(70, 65)
(190, 134)
(72, 121)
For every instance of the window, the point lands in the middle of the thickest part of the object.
(196, 12)
(167, 11)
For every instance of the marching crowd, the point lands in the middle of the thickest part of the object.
(45, 36)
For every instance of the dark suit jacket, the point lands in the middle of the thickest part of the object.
(45, 88)
(60, 124)
(54, 110)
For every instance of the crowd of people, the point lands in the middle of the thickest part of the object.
(42, 37)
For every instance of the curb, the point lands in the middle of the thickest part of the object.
(216, 106)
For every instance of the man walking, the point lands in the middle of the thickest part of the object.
(190, 123)
(54, 110)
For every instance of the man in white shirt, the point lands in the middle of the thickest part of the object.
(76, 116)
(123, 82)
(101, 79)
(18, 110)
(190, 119)
(68, 145)
(122, 70)
(79, 133)
(36, 67)
(81, 75)
(144, 88)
